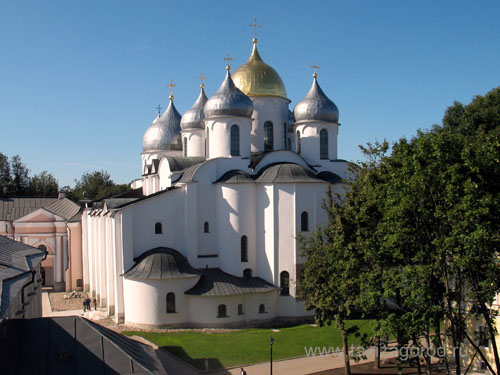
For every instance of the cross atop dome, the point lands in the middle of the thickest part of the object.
(159, 109)
(202, 78)
(228, 58)
(255, 26)
(315, 67)
(171, 85)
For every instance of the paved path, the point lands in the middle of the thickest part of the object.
(47, 311)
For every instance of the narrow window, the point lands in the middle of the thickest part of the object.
(285, 283)
(244, 249)
(304, 222)
(235, 140)
(185, 147)
(158, 229)
(206, 227)
(221, 311)
(262, 308)
(323, 144)
(285, 128)
(289, 144)
(247, 273)
(240, 309)
(298, 142)
(268, 136)
(170, 302)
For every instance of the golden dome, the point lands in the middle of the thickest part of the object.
(256, 78)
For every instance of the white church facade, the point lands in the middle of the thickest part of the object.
(208, 237)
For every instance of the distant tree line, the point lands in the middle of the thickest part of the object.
(415, 240)
(15, 181)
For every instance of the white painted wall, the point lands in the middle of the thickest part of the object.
(219, 136)
(275, 110)
(195, 142)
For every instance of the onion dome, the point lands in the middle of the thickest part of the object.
(165, 131)
(256, 78)
(193, 118)
(228, 101)
(316, 106)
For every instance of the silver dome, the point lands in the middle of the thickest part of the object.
(228, 101)
(165, 132)
(193, 118)
(316, 106)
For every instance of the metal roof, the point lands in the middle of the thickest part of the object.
(161, 263)
(235, 177)
(14, 208)
(64, 208)
(17, 260)
(286, 173)
(216, 282)
(72, 345)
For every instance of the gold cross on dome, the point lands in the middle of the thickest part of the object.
(315, 68)
(159, 109)
(202, 78)
(255, 26)
(228, 58)
(171, 85)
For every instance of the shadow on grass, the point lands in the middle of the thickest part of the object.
(199, 363)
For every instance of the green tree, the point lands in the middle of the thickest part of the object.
(5, 176)
(96, 185)
(20, 177)
(44, 184)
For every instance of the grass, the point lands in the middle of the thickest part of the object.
(246, 346)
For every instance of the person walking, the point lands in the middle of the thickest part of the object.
(87, 302)
(84, 304)
(95, 304)
(243, 372)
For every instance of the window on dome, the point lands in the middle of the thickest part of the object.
(170, 302)
(221, 311)
(285, 283)
(185, 147)
(304, 222)
(235, 140)
(262, 308)
(206, 227)
(323, 144)
(268, 136)
(298, 142)
(244, 249)
(158, 228)
(247, 273)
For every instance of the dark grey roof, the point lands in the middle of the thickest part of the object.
(216, 282)
(117, 202)
(72, 345)
(13, 208)
(17, 260)
(64, 208)
(286, 173)
(188, 175)
(235, 177)
(179, 163)
(161, 263)
(330, 177)
(256, 158)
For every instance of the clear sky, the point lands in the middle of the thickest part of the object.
(80, 80)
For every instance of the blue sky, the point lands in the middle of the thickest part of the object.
(80, 80)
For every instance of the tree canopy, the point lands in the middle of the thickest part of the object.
(422, 224)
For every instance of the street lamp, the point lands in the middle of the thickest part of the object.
(271, 342)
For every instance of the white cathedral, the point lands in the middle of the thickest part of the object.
(208, 237)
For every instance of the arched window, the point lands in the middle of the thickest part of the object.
(158, 229)
(170, 302)
(323, 144)
(285, 283)
(185, 147)
(206, 227)
(221, 311)
(268, 136)
(235, 140)
(289, 144)
(240, 309)
(43, 248)
(304, 222)
(247, 273)
(262, 308)
(244, 249)
(298, 142)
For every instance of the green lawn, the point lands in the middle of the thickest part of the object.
(248, 345)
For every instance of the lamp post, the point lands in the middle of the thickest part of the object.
(271, 342)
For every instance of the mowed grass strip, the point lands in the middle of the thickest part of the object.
(247, 346)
